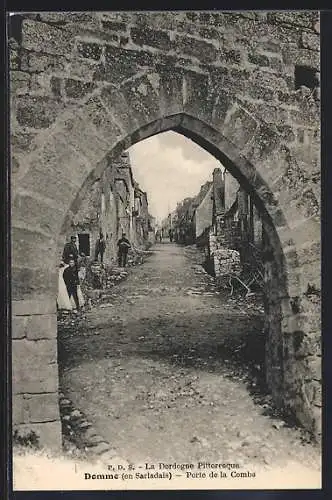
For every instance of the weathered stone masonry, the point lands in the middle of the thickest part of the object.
(86, 85)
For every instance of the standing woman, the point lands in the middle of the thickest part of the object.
(63, 300)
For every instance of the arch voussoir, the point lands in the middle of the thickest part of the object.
(197, 98)
(142, 99)
(170, 89)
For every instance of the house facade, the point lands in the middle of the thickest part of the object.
(113, 206)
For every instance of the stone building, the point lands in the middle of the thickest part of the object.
(125, 199)
(113, 205)
(182, 219)
(226, 218)
(140, 216)
(98, 213)
(243, 85)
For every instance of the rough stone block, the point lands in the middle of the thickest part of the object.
(304, 57)
(35, 350)
(315, 367)
(82, 69)
(89, 50)
(37, 112)
(36, 211)
(231, 56)
(270, 46)
(310, 41)
(317, 399)
(19, 327)
(303, 117)
(142, 99)
(107, 128)
(154, 38)
(240, 126)
(293, 323)
(306, 345)
(310, 276)
(287, 133)
(121, 64)
(308, 204)
(49, 434)
(14, 165)
(76, 89)
(259, 59)
(42, 37)
(42, 407)
(120, 16)
(21, 142)
(14, 59)
(267, 111)
(36, 62)
(114, 25)
(27, 282)
(223, 102)
(18, 409)
(170, 85)
(47, 174)
(268, 141)
(235, 80)
(56, 86)
(24, 244)
(35, 367)
(62, 18)
(210, 34)
(261, 92)
(317, 422)
(295, 18)
(39, 305)
(19, 82)
(196, 95)
(302, 231)
(42, 327)
(201, 50)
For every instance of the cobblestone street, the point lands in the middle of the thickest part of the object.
(155, 370)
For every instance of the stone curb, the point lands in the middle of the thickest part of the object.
(80, 432)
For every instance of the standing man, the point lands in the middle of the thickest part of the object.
(100, 248)
(170, 233)
(71, 280)
(124, 246)
(70, 250)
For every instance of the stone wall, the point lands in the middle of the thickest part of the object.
(86, 85)
(94, 216)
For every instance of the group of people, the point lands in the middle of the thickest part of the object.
(123, 248)
(160, 234)
(70, 296)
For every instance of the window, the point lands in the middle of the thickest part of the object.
(306, 77)
(84, 243)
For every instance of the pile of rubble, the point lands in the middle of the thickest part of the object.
(226, 262)
(101, 277)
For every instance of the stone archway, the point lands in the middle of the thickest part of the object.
(72, 149)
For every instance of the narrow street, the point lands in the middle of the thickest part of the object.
(153, 369)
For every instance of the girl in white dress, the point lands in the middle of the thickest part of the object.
(63, 300)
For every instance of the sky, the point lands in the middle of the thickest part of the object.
(170, 167)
